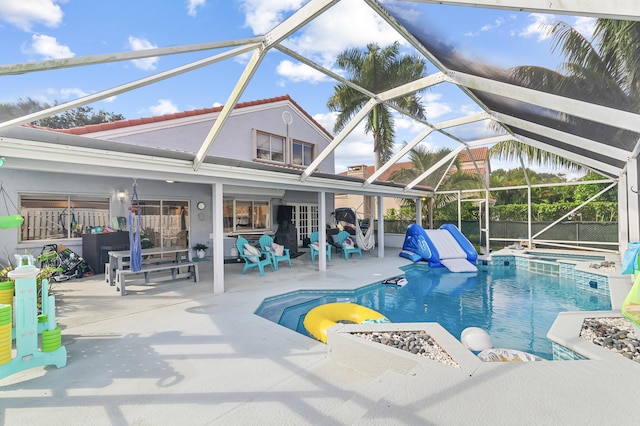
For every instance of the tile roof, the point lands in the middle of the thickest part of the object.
(479, 154)
(92, 128)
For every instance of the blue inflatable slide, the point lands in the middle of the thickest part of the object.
(443, 247)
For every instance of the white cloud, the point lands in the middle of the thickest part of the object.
(72, 93)
(262, 15)
(336, 30)
(585, 26)
(146, 64)
(299, 72)
(48, 47)
(323, 38)
(193, 5)
(357, 148)
(497, 23)
(434, 108)
(24, 14)
(437, 109)
(327, 120)
(539, 27)
(164, 106)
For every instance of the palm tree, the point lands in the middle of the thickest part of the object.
(377, 70)
(607, 69)
(422, 160)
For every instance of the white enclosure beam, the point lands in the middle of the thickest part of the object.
(397, 156)
(612, 9)
(571, 156)
(568, 138)
(302, 16)
(408, 147)
(51, 64)
(323, 70)
(124, 88)
(599, 114)
(228, 107)
(435, 167)
(337, 140)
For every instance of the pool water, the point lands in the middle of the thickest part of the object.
(515, 307)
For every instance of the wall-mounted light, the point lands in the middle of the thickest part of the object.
(121, 195)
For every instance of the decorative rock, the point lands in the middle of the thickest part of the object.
(615, 334)
(416, 342)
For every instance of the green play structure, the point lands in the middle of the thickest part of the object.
(32, 339)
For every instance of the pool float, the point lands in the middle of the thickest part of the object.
(321, 318)
(477, 339)
(399, 281)
(507, 355)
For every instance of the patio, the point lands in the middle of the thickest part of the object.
(177, 353)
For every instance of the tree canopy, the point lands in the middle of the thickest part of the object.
(81, 116)
(377, 69)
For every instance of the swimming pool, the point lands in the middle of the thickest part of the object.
(515, 307)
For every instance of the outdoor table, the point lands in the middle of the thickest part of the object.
(117, 258)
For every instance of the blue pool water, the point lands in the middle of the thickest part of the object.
(515, 307)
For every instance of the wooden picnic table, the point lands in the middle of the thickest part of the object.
(119, 259)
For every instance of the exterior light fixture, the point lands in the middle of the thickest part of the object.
(121, 195)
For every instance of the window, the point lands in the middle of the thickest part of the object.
(301, 153)
(163, 223)
(275, 148)
(270, 147)
(54, 217)
(241, 216)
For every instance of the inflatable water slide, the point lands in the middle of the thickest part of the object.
(443, 247)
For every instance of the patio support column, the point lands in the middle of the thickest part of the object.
(218, 238)
(380, 226)
(623, 217)
(322, 230)
(419, 211)
(432, 203)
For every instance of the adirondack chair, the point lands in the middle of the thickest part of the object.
(266, 246)
(251, 260)
(347, 248)
(313, 238)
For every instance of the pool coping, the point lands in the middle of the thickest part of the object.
(375, 358)
(566, 329)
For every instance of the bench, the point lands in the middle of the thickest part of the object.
(174, 268)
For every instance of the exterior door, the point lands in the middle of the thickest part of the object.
(305, 217)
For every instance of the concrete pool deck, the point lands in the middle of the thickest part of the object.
(175, 353)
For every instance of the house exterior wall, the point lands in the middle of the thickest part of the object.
(32, 182)
(236, 138)
(184, 134)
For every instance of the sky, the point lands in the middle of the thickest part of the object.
(36, 30)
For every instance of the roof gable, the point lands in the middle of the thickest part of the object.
(123, 124)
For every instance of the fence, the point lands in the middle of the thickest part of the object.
(503, 233)
(42, 224)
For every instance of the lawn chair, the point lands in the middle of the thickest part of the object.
(313, 239)
(266, 245)
(251, 260)
(348, 245)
